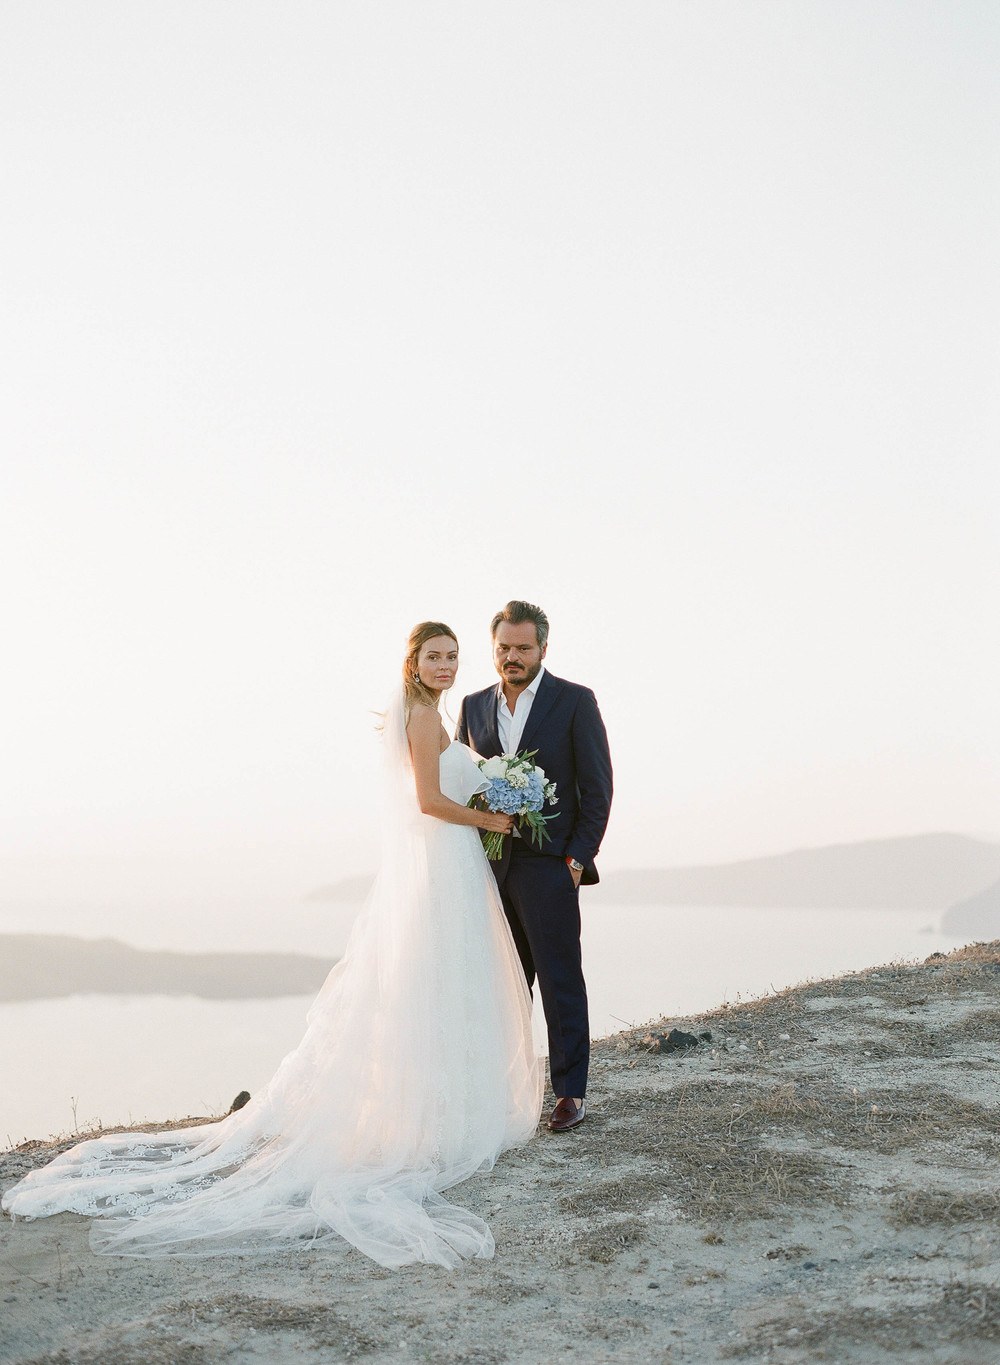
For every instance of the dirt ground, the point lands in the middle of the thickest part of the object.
(816, 1182)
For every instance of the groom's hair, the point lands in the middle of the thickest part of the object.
(516, 612)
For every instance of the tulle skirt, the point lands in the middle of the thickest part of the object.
(417, 1069)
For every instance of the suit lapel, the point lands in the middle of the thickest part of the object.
(492, 732)
(548, 690)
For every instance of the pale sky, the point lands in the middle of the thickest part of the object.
(679, 319)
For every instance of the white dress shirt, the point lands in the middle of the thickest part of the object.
(511, 727)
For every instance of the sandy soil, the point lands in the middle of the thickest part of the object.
(816, 1183)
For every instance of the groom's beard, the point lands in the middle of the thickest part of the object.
(519, 676)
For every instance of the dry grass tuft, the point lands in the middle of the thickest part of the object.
(705, 1144)
(628, 1195)
(606, 1242)
(475, 1355)
(103, 1351)
(923, 1208)
(915, 1038)
(960, 1314)
(324, 1325)
(783, 1102)
(863, 1050)
(885, 1121)
(982, 1026)
(909, 1117)
(986, 953)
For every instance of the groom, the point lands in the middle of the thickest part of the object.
(531, 709)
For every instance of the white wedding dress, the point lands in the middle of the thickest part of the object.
(417, 1069)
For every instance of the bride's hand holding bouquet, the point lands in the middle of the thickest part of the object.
(515, 787)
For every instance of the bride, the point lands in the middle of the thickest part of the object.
(417, 1068)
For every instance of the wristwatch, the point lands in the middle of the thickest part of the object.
(577, 867)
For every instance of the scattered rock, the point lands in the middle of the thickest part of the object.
(241, 1099)
(674, 1041)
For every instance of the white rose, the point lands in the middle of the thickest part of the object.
(494, 767)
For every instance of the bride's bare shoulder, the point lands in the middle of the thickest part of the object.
(423, 718)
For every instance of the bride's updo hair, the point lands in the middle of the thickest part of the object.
(419, 635)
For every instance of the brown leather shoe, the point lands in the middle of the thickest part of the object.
(567, 1114)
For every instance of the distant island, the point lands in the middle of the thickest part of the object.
(48, 966)
(932, 872)
(922, 872)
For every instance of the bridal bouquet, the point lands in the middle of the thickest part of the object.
(516, 787)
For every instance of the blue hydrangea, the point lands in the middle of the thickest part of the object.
(502, 797)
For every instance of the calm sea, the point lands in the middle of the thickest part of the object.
(69, 1063)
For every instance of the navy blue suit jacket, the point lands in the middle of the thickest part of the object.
(566, 728)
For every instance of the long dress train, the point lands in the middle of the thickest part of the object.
(417, 1069)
